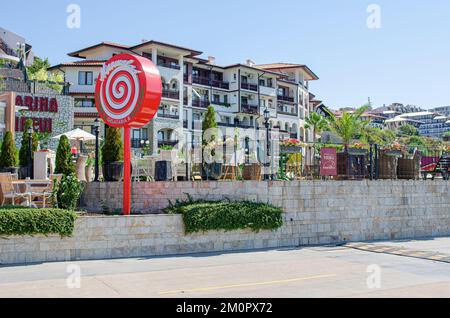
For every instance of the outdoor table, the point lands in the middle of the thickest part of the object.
(26, 186)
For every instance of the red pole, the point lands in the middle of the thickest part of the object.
(127, 172)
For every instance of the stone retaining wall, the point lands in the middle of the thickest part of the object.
(316, 212)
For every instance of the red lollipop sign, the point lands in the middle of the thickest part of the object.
(128, 91)
(127, 94)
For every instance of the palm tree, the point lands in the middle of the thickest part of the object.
(317, 123)
(349, 125)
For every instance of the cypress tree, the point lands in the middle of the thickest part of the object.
(8, 156)
(64, 163)
(209, 124)
(23, 153)
(112, 150)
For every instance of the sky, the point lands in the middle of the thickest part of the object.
(405, 58)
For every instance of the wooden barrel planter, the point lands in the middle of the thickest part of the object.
(387, 165)
(252, 172)
(409, 168)
(351, 166)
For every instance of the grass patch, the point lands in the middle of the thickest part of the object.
(202, 216)
(27, 221)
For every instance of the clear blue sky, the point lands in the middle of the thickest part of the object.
(407, 60)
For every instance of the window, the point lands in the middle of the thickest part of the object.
(270, 82)
(84, 103)
(85, 78)
(225, 99)
(216, 98)
(262, 82)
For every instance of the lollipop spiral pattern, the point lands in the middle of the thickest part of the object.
(119, 89)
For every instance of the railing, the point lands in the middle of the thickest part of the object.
(286, 98)
(209, 82)
(169, 65)
(172, 94)
(250, 87)
(167, 143)
(294, 136)
(218, 103)
(200, 103)
(249, 109)
(280, 110)
(136, 143)
(169, 116)
(235, 125)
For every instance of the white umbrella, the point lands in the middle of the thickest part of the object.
(77, 134)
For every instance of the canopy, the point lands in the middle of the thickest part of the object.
(77, 134)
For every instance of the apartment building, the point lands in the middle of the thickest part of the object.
(240, 93)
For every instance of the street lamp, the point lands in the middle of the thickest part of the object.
(96, 131)
(30, 152)
(267, 125)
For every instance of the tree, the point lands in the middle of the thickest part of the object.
(349, 125)
(377, 136)
(317, 123)
(209, 126)
(407, 131)
(23, 153)
(8, 156)
(38, 71)
(112, 150)
(64, 163)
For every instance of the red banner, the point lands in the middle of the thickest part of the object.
(328, 162)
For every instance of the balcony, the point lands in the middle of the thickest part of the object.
(203, 103)
(250, 87)
(219, 103)
(172, 143)
(137, 143)
(172, 94)
(249, 109)
(237, 125)
(289, 110)
(169, 65)
(286, 98)
(209, 82)
(168, 116)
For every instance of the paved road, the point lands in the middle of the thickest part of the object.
(303, 272)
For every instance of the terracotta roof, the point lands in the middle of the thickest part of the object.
(283, 66)
(78, 63)
(110, 44)
(193, 52)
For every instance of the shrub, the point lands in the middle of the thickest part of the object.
(202, 216)
(112, 150)
(68, 192)
(23, 153)
(8, 156)
(64, 163)
(27, 221)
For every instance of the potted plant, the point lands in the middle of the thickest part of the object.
(8, 156)
(210, 169)
(168, 153)
(357, 148)
(395, 150)
(64, 162)
(291, 145)
(112, 155)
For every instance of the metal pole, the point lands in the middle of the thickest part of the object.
(96, 155)
(371, 161)
(377, 170)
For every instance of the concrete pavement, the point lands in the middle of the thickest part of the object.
(303, 272)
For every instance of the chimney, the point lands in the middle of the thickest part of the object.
(250, 63)
(211, 60)
(144, 40)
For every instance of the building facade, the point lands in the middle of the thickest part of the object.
(240, 94)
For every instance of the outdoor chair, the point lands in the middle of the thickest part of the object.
(45, 193)
(9, 191)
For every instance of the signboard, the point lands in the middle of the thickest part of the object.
(127, 95)
(328, 162)
(40, 105)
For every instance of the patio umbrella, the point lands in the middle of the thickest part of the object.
(77, 134)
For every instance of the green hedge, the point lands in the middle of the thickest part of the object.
(202, 216)
(27, 221)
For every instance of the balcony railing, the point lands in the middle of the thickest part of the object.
(137, 143)
(172, 143)
(209, 82)
(219, 103)
(201, 103)
(172, 94)
(249, 109)
(239, 125)
(169, 116)
(169, 65)
(286, 98)
(250, 87)
(289, 111)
